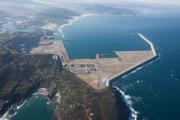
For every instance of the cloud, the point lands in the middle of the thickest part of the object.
(145, 2)
(163, 2)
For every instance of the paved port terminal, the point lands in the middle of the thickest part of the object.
(98, 72)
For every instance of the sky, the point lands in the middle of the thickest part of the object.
(109, 1)
(156, 3)
(170, 2)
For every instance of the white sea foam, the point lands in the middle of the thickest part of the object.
(139, 68)
(18, 107)
(5, 116)
(125, 76)
(8, 116)
(127, 100)
(71, 21)
(138, 81)
(48, 102)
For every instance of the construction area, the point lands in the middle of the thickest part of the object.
(100, 71)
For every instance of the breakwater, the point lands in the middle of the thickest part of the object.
(130, 69)
(126, 98)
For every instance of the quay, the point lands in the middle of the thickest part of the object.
(99, 72)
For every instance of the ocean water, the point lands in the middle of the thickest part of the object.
(154, 89)
(100, 34)
(35, 108)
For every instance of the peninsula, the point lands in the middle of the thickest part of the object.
(24, 75)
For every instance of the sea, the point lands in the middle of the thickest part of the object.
(152, 91)
(37, 107)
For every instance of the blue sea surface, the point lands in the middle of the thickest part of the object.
(35, 108)
(155, 88)
(100, 34)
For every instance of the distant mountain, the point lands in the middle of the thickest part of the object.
(105, 9)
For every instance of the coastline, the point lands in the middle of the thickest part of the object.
(7, 115)
(125, 98)
(92, 104)
(42, 91)
(133, 69)
(128, 102)
(71, 21)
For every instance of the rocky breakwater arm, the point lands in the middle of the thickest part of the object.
(153, 49)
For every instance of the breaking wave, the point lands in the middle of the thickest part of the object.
(127, 100)
(8, 115)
